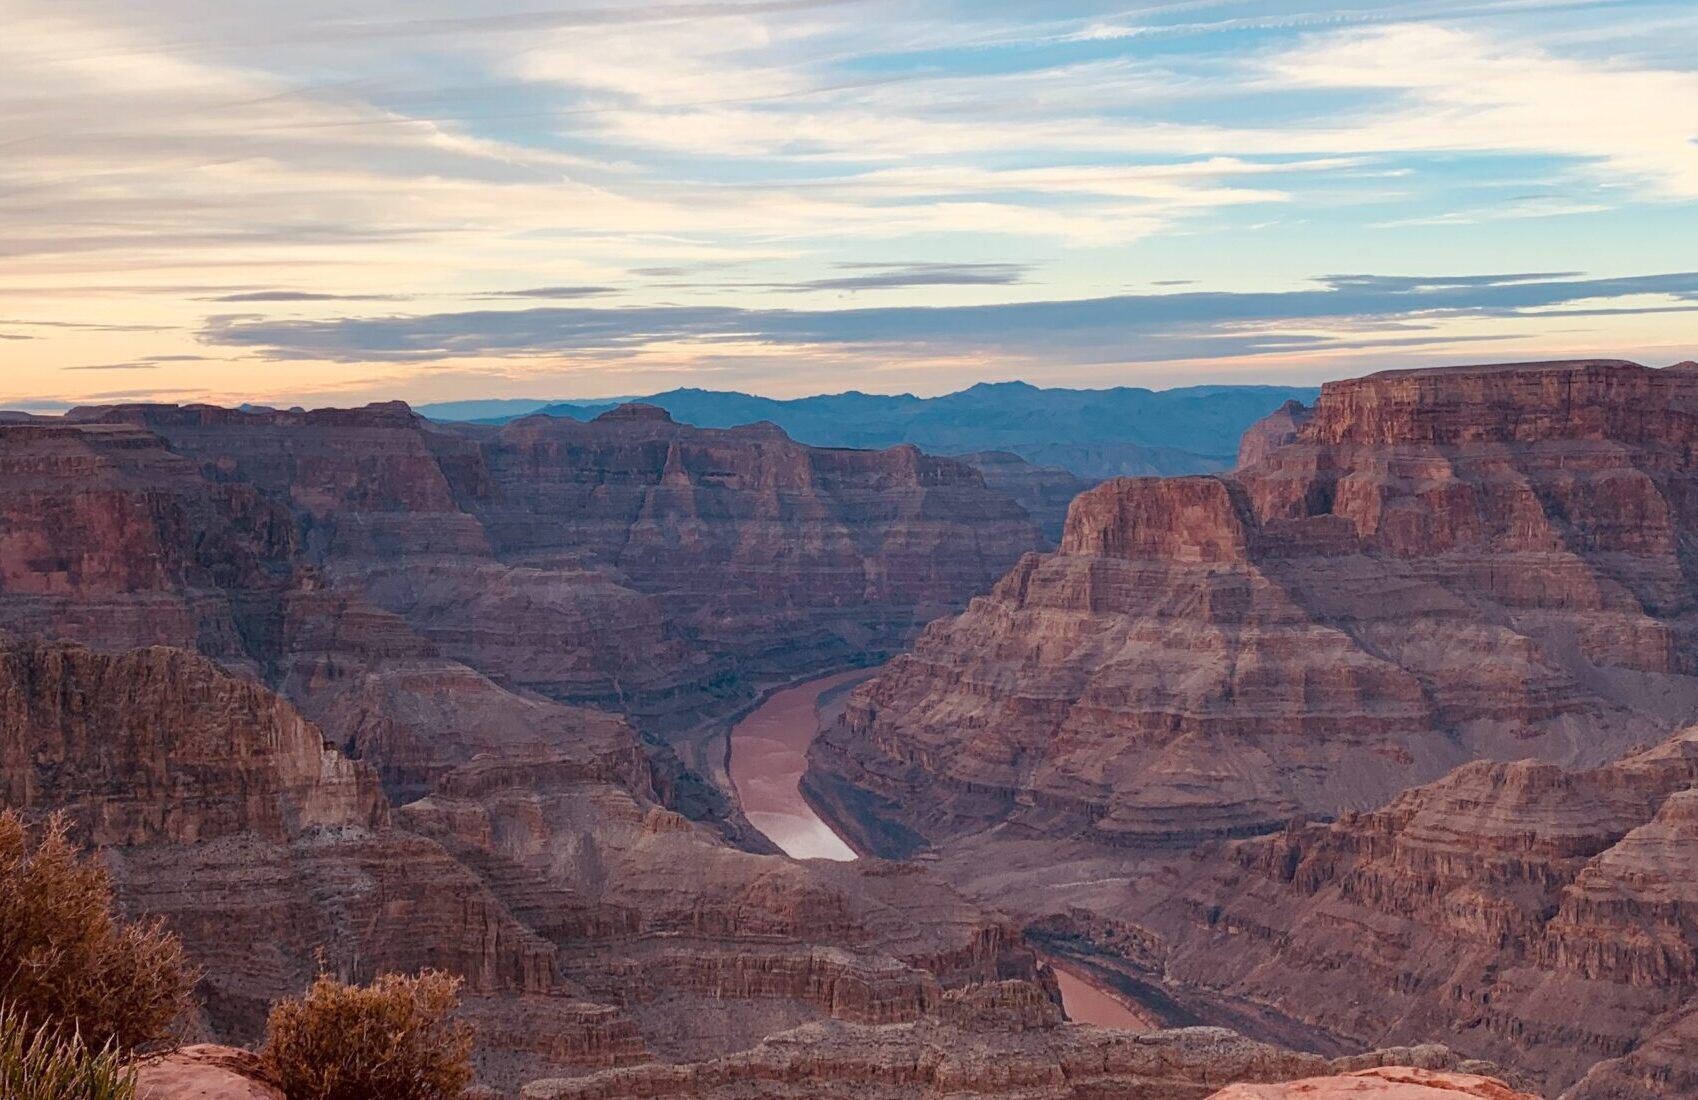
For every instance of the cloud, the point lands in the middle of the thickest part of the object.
(551, 292)
(311, 153)
(1462, 91)
(301, 296)
(1249, 322)
(83, 326)
(890, 276)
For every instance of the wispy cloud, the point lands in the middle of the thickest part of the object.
(893, 276)
(301, 296)
(152, 362)
(1203, 322)
(551, 292)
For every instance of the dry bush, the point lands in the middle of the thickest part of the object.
(66, 962)
(38, 1064)
(396, 1039)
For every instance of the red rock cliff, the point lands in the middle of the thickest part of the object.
(1437, 566)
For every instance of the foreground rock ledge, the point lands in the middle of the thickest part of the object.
(204, 1072)
(1386, 1083)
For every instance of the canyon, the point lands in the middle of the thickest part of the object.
(343, 682)
(723, 765)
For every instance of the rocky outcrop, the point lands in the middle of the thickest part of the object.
(1387, 1083)
(1002, 1041)
(760, 550)
(1429, 575)
(665, 572)
(1538, 917)
(1440, 566)
(1278, 429)
(204, 1072)
(83, 733)
(110, 535)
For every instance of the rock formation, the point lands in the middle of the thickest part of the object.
(204, 1072)
(1387, 1083)
(632, 564)
(1442, 566)
(999, 1041)
(1539, 917)
(593, 927)
(1278, 429)
(1431, 574)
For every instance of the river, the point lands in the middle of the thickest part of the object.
(769, 753)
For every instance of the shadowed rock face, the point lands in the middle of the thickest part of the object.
(632, 564)
(1539, 917)
(1043, 491)
(355, 728)
(1438, 567)
(594, 928)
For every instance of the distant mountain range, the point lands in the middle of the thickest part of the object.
(1095, 434)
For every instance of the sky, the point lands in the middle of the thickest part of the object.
(320, 202)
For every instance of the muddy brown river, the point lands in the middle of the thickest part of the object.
(769, 753)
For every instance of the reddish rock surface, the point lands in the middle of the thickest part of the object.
(1443, 566)
(650, 568)
(1277, 429)
(204, 1073)
(593, 926)
(1434, 573)
(998, 1041)
(1388, 1083)
(1538, 917)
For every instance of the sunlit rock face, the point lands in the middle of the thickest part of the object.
(1428, 568)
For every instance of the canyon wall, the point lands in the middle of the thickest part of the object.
(313, 682)
(1539, 917)
(594, 927)
(631, 564)
(1438, 567)
(1177, 746)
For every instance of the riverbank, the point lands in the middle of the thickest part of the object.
(767, 754)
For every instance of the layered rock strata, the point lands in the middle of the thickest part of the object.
(1437, 567)
(1000, 1042)
(593, 927)
(632, 564)
(1539, 917)
(1426, 577)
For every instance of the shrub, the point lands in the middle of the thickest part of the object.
(41, 1065)
(67, 963)
(396, 1039)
